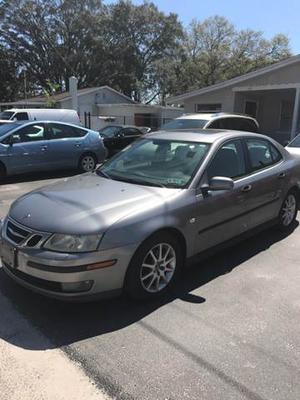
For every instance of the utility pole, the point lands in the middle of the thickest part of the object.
(25, 86)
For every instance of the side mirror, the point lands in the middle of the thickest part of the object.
(219, 183)
(12, 139)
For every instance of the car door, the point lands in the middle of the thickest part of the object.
(130, 135)
(265, 182)
(27, 149)
(219, 215)
(111, 136)
(66, 145)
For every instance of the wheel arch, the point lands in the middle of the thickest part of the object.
(169, 230)
(3, 166)
(296, 189)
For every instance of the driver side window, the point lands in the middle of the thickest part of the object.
(31, 133)
(229, 161)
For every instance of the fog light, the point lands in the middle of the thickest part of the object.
(76, 287)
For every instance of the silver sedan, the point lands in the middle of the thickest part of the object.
(131, 224)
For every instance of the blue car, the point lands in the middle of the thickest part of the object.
(45, 145)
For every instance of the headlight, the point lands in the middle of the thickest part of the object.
(72, 243)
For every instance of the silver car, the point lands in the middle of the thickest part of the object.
(131, 224)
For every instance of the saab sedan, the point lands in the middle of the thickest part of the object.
(131, 224)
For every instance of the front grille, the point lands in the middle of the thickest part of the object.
(22, 236)
(15, 233)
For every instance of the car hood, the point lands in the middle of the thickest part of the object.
(295, 151)
(84, 204)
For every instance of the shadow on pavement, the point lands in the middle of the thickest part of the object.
(37, 176)
(67, 323)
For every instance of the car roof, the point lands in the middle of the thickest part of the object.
(202, 135)
(25, 123)
(216, 115)
(121, 126)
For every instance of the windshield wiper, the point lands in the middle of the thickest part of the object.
(102, 173)
(137, 181)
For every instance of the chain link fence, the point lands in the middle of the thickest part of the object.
(97, 122)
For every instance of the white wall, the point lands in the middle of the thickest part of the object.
(224, 96)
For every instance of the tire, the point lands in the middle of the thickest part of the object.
(87, 162)
(288, 211)
(147, 277)
(2, 172)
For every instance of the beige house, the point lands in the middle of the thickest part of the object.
(270, 94)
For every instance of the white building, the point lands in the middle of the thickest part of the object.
(100, 106)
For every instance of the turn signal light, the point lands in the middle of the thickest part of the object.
(102, 264)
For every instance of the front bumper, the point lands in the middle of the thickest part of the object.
(49, 273)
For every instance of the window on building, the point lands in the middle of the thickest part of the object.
(217, 107)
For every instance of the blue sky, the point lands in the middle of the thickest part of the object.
(268, 16)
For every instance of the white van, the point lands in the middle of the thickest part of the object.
(39, 114)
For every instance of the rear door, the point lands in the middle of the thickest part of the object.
(264, 186)
(130, 135)
(66, 145)
(113, 139)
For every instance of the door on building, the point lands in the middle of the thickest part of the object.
(251, 108)
(286, 115)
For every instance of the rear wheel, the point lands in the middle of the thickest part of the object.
(288, 211)
(155, 267)
(87, 162)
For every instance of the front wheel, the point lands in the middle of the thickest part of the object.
(155, 267)
(288, 211)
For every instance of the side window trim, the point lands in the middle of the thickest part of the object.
(221, 145)
(22, 128)
(247, 156)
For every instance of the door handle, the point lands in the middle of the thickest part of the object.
(246, 188)
(282, 175)
(44, 148)
(77, 144)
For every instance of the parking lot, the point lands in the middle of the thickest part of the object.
(231, 330)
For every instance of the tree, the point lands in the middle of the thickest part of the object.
(9, 82)
(51, 39)
(136, 38)
(136, 49)
(215, 51)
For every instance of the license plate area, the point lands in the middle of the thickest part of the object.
(9, 254)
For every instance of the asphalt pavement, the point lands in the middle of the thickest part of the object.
(230, 331)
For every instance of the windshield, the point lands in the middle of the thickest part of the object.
(157, 162)
(6, 115)
(109, 131)
(7, 128)
(185, 124)
(295, 142)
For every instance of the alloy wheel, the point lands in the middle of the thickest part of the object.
(88, 163)
(288, 210)
(158, 267)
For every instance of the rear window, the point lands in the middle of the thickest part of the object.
(262, 154)
(295, 142)
(185, 124)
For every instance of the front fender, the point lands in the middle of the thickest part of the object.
(135, 230)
